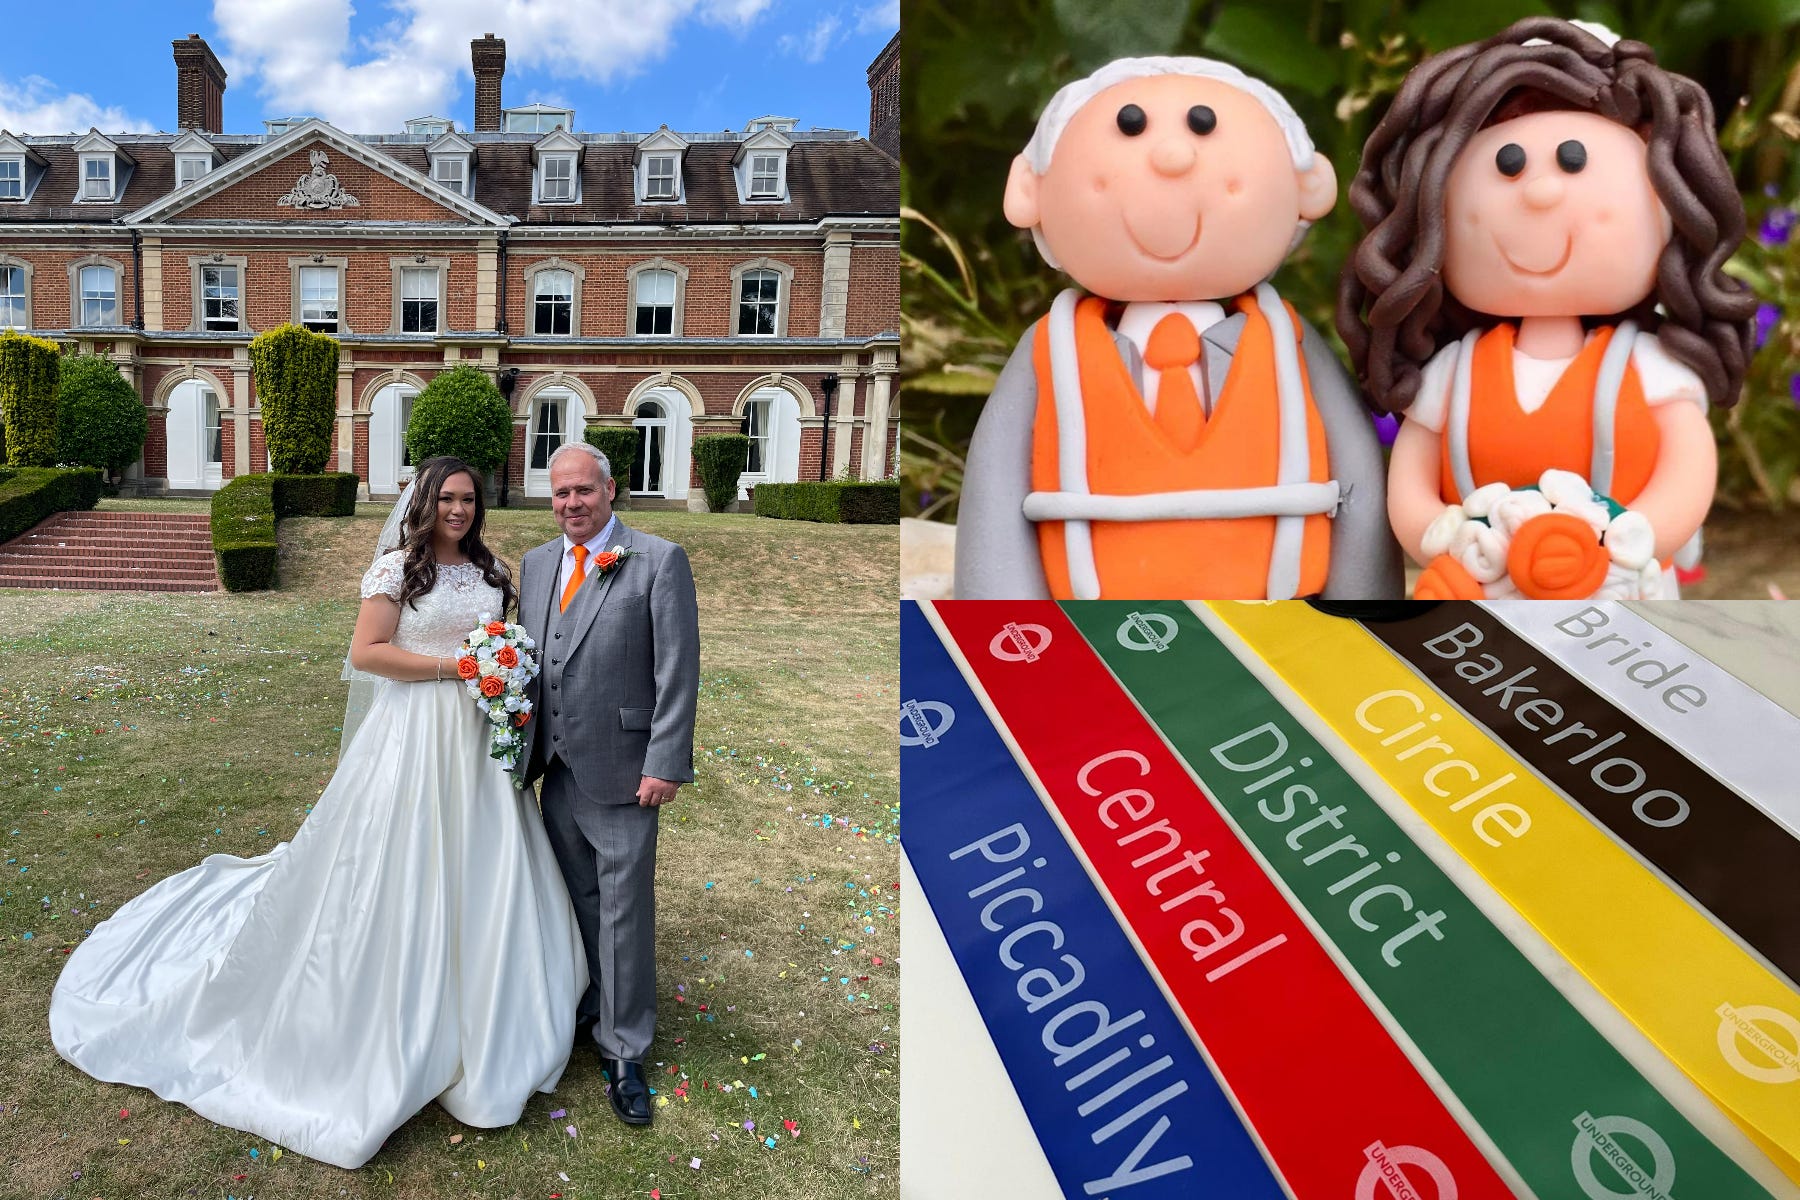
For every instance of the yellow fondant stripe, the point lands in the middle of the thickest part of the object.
(1720, 1016)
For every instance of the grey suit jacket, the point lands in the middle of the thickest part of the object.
(997, 547)
(621, 669)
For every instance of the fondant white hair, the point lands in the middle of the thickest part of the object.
(1071, 97)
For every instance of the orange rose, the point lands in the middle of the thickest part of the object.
(521, 718)
(508, 657)
(496, 628)
(467, 667)
(492, 686)
(605, 560)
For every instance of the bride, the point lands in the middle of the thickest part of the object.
(414, 942)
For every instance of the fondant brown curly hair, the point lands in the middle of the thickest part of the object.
(1393, 309)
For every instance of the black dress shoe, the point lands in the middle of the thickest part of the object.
(629, 1093)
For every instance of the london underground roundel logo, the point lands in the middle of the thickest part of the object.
(928, 721)
(1607, 1168)
(1147, 631)
(1019, 643)
(1404, 1173)
(1770, 1058)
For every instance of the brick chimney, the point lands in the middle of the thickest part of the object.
(487, 54)
(884, 99)
(199, 86)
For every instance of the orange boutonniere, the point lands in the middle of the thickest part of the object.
(607, 561)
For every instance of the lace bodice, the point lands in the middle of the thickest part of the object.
(461, 600)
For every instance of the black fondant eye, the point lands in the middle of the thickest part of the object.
(1132, 120)
(1511, 159)
(1202, 119)
(1571, 156)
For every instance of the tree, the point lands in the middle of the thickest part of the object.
(100, 420)
(461, 413)
(721, 458)
(296, 385)
(28, 382)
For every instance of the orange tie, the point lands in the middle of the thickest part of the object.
(1174, 346)
(575, 580)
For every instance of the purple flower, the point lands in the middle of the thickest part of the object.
(1777, 226)
(1794, 389)
(1387, 428)
(1766, 316)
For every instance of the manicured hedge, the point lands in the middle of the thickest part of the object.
(243, 533)
(29, 370)
(720, 458)
(296, 372)
(331, 495)
(29, 494)
(844, 501)
(619, 444)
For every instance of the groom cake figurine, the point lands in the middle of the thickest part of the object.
(617, 626)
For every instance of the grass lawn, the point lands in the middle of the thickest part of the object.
(139, 733)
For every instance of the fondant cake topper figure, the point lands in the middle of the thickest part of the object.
(1539, 292)
(1180, 432)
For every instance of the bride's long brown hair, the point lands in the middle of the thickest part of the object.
(419, 566)
(1394, 311)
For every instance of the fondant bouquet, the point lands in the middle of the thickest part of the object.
(497, 664)
(1559, 540)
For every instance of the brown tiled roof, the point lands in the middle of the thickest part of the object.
(825, 178)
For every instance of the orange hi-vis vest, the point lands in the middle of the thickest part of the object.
(1595, 421)
(1123, 513)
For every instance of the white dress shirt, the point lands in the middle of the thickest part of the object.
(594, 545)
(1142, 316)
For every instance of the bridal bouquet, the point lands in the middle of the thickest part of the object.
(497, 662)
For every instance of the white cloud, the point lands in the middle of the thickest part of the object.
(33, 105)
(302, 57)
(881, 17)
(811, 45)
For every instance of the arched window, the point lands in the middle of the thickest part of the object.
(99, 296)
(759, 300)
(553, 302)
(757, 421)
(655, 302)
(647, 469)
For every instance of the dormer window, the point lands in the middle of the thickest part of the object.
(452, 161)
(453, 172)
(765, 175)
(189, 167)
(12, 178)
(97, 177)
(558, 179)
(659, 177)
(428, 127)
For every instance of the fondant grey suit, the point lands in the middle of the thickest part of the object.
(997, 553)
(615, 696)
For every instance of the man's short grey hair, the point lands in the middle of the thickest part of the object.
(1071, 97)
(587, 448)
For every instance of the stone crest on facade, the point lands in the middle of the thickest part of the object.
(318, 189)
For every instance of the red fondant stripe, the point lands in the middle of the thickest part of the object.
(1328, 1091)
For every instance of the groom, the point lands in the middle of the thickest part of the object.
(613, 738)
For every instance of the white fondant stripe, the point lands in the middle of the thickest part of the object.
(1294, 458)
(1739, 736)
(1281, 500)
(1456, 428)
(1606, 406)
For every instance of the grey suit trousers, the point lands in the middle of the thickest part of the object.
(615, 843)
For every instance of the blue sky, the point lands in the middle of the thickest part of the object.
(694, 65)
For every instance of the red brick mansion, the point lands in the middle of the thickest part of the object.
(680, 283)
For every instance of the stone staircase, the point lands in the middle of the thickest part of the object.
(113, 552)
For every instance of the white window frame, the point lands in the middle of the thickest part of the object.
(309, 319)
(88, 178)
(8, 264)
(544, 196)
(774, 189)
(761, 274)
(184, 161)
(763, 441)
(653, 177)
(652, 430)
(299, 263)
(412, 291)
(411, 262)
(461, 162)
(784, 293)
(639, 302)
(222, 324)
(17, 163)
(78, 292)
(197, 287)
(539, 302)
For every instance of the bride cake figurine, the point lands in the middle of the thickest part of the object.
(1539, 291)
(414, 942)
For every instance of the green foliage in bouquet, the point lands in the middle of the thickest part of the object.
(977, 77)
(28, 383)
(100, 420)
(720, 459)
(462, 413)
(296, 387)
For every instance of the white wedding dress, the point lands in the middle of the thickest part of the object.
(414, 941)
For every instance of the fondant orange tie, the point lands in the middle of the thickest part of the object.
(575, 579)
(1174, 346)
